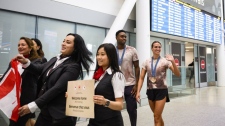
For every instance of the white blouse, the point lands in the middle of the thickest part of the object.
(118, 82)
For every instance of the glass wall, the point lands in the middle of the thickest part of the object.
(132, 39)
(51, 33)
(12, 27)
(178, 52)
(93, 37)
(210, 64)
(196, 65)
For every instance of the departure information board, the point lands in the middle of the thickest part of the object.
(177, 18)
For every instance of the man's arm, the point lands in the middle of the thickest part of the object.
(137, 74)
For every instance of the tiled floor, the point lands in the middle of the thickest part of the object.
(206, 108)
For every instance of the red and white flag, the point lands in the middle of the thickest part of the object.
(10, 89)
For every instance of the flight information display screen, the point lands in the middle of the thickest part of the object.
(178, 18)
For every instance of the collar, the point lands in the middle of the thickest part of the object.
(58, 57)
(125, 46)
(109, 71)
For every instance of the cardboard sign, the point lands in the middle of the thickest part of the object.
(79, 101)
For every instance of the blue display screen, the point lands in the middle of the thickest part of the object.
(170, 17)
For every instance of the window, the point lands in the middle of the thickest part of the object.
(93, 37)
(133, 40)
(12, 27)
(52, 33)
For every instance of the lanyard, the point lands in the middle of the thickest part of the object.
(120, 60)
(154, 69)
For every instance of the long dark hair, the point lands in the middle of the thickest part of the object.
(39, 51)
(81, 54)
(111, 54)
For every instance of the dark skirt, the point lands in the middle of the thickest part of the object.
(158, 94)
(114, 121)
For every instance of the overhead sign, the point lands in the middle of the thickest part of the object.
(178, 18)
(211, 6)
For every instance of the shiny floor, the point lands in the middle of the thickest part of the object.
(205, 108)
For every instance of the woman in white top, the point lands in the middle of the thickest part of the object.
(157, 91)
(109, 88)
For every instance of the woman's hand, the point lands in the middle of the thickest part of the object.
(174, 67)
(20, 58)
(24, 110)
(169, 57)
(99, 99)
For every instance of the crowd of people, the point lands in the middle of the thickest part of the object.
(117, 78)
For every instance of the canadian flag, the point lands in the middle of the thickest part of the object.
(10, 88)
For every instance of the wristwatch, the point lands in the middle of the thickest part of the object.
(107, 103)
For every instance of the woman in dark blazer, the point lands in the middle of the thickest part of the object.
(29, 79)
(54, 76)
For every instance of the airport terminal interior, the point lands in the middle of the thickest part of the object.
(191, 30)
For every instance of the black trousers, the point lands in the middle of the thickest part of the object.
(131, 105)
(114, 121)
(192, 73)
(45, 119)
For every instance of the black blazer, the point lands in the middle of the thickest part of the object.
(44, 59)
(28, 91)
(56, 84)
(29, 84)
